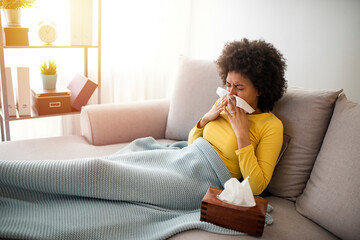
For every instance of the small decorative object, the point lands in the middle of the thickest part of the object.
(12, 9)
(49, 75)
(53, 101)
(81, 90)
(16, 36)
(47, 32)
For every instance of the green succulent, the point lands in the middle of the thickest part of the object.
(16, 4)
(48, 69)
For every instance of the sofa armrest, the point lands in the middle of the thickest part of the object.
(105, 124)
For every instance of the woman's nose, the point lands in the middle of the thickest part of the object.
(232, 91)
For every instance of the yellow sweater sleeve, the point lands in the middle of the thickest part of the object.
(259, 163)
(195, 133)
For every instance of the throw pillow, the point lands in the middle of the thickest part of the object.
(331, 196)
(305, 114)
(195, 87)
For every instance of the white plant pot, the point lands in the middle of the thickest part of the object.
(13, 17)
(49, 81)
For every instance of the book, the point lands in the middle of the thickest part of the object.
(10, 92)
(23, 94)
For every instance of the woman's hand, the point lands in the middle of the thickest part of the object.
(239, 122)
(213, 113)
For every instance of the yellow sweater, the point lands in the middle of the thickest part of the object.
(256, 160)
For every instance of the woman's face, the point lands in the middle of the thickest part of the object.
(241, 86)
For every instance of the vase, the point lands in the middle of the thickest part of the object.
(13, 17)
(49, 81)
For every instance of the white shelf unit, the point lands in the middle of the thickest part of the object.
(5, 119)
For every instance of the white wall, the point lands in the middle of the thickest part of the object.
(319, 38)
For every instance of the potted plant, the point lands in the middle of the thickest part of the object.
(12, 9)
(49, 75)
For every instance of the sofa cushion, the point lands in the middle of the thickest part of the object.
(305, 114)
(331, 196)
(196, 83)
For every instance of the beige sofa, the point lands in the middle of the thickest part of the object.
(315, 189)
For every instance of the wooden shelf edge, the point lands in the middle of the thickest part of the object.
(52, 46)
(34, 115)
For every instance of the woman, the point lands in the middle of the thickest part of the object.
(248, 144)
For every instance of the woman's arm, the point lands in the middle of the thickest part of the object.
(259, 164)
(213, 113)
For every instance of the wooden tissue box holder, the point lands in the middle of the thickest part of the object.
(249, 220)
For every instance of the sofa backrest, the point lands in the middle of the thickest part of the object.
(331, 197)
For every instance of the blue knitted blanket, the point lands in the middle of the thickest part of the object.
(147, 190)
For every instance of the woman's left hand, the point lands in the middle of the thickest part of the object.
(239, 122)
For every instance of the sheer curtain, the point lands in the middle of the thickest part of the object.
(141, 43)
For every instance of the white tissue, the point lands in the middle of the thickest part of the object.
(241, 103)
(237, 193)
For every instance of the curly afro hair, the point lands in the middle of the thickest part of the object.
(259, 61)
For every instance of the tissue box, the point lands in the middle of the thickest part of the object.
(249, 220)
